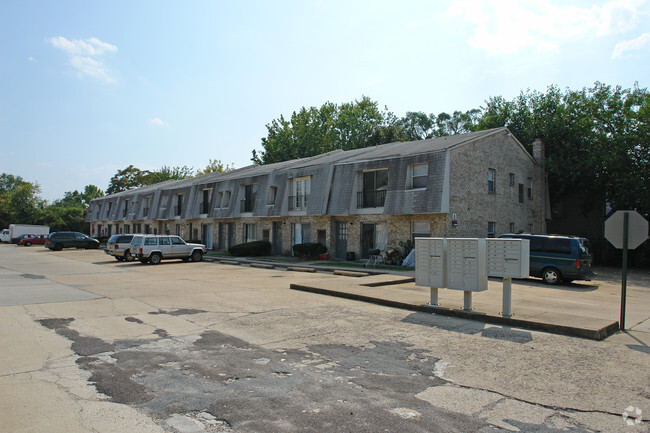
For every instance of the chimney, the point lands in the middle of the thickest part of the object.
(538, 151)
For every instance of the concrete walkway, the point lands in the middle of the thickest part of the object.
(588, 309)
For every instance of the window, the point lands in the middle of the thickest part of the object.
(374, 186)
(178, 210)
(512, 179)
(521, 193)
(301, 188)
(492, 181)
(419, 175)
(491, 229)
(301, 233)
(127, 229)
(273, 193)
(530, 228)
(511, 228)
(226, 200)
(125, 209)
(146, 206)
(147, 229)
(530, 188)
(176, 241)
(164, 241)
(108, 210)
(151, 241)
(205, 204)
(250, 193)
(178, 229)
(250, 232)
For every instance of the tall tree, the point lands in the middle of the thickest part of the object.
(215, 166)
(128, 178)
(20, 202)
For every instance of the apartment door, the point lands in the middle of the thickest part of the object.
(367, 239)
(277, 238)
(341, 242)
(222, 236)
(231, 234)
(206, 235)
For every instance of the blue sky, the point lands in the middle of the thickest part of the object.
(88, 88)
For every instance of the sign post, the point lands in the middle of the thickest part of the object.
(626, 229)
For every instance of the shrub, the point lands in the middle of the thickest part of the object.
(255, 248)
(309, 249)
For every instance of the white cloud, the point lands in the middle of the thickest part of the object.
(85, 56)
(509, 26)
(156, 121)
(634, 45)
(31, 59)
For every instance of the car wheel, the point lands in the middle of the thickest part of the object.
(58, 247)
(128, 257)
(155, 259)
(197, 256)
(551, 276)
(27, 244)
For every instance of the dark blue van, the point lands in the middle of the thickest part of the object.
(555, 258)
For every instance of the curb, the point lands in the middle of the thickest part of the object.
(593, 334)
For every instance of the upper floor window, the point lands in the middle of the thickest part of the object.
(419, 173)
(273, 194)
(125, 209)
(492, 176)
(374, 187)
(146, 206)
(178, 210)
(530, 187)
(491, 229)
(250, 193)
(521, 193)
(301, 188)
(512, 179)
(205, 201)
(108, 209)
(225, 203)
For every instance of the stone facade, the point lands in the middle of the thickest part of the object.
(451, 197)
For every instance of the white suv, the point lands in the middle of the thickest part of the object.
(154, 248)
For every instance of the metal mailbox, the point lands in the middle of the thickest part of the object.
(467, 265)
(508, 258)
(431, 262)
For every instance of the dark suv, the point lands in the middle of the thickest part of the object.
(556, 258)
(59, 240)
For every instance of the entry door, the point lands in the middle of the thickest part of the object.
(206, 235)
(277, 238)
(231, 234)
(222, 236)
(367, 239)
(341, 244)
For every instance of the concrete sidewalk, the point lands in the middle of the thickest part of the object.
(587, 309)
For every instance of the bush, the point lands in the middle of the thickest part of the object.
(248, 249)
(309, 249)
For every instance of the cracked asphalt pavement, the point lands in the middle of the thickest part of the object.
(91, 344)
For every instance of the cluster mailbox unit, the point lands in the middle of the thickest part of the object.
(465, 264)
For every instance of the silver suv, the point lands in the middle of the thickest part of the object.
(119, 246)
(154, 248)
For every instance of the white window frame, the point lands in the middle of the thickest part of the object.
(413, 168)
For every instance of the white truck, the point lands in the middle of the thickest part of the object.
(16, 230)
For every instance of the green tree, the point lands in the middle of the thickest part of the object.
(128, 178)
(312, 131)
(167, 173)
(20, 202)
(215, 166)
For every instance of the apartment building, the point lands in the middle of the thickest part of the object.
(479, 184)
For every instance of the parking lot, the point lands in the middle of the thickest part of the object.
(92, 344)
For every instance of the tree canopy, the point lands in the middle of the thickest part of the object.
(132, 177)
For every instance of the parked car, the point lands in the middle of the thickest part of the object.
(59, 240)
(19, 238)
(32, 240)
(154, 248)
(119, 246)
(555, 258)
